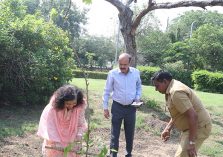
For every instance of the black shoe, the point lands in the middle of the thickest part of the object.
(113, 155)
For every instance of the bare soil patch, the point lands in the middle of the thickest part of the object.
(145, 145)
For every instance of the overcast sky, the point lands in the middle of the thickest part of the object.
(103, 16)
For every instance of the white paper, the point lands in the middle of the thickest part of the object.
(137, 103)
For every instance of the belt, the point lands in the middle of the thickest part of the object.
(121, 104)
(198, 127)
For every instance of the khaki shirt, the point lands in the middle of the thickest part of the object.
(179, 98)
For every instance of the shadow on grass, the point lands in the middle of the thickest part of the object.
(159, 117)
(154, 107)
(217, 123)
(16, 120)
(220, 142)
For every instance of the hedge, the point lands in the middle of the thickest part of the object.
(208, 81)
(146, 74)
(91, 74)
(201, 80)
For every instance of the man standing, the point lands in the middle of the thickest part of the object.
(125, 85)
(187, 114)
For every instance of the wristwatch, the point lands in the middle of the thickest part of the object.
(191, 142)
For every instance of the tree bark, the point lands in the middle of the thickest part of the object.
(128, 25)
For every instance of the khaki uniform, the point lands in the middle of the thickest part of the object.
(179, 98)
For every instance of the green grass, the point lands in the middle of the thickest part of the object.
(16, 120)
(94, 84)
(209, 99)
(213, 102)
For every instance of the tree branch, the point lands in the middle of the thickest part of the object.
(201, 4)
(129, 2)
(153, 6)
(118, 4)
(68, 10)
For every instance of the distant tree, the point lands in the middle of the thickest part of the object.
(203, 51)
(129, 23)
(207, 45)
(184, 25)
(180, 51)
(66, 15)
(32, 6)
(151, 47)
(102, 48)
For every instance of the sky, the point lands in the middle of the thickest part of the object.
(103, 16)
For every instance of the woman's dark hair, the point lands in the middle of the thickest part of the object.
(161, 75)
(67, 93)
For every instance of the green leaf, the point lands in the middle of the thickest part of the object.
(87, 1)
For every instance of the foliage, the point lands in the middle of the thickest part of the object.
(83, 143)
(146, 73)
(62, 13)
(207, 47)
(202, 51)
(68, 16)
(31, 6)
(90, 74)
(151, 46)
(150, 103)
(87, 1)
(181, 26)
(179, 52)
(35, 57)
(179, 72)
(208, 81)
(102, 50)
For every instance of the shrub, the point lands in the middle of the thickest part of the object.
(208, 81)
(35, 60)
(179, 73)
(146, 73)
(90, 74)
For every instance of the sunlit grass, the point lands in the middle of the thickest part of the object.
(212, 148)
(213, 102)
(18, 120)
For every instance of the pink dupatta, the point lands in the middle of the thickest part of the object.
(60, 127)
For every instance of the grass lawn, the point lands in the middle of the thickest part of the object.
(213, 102)
(18, 120)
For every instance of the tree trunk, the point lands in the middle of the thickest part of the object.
(125, 19)
(130, 46)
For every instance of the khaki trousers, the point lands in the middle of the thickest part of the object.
(202, 134)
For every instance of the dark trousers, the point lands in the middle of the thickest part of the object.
(128, 115)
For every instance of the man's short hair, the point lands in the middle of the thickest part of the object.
(161, 75)
(124, 54)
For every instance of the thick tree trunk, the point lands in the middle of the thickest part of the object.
(125, 19)
(130, 46)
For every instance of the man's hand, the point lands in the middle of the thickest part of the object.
(165, 135)
(106, 113)
(191, 150)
